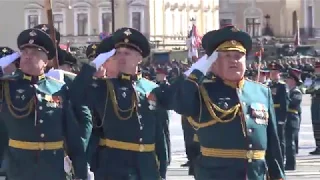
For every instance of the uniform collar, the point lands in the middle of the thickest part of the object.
(128, 77)
(233, 84)
(33, 79)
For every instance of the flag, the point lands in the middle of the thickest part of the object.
(193, 42)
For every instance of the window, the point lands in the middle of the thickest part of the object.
(136, 20)
(225, 22)
(58, 22)
(32, 15)
(33, 20)
(107, 22)
(82, 19)
(253, 26)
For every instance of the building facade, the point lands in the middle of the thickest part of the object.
(310, 18)
(253, 16)
(79, 21)
(170, 20)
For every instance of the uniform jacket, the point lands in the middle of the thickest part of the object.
(252, 128)
(37, 110)
(124, 127)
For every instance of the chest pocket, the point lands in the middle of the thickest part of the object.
(259, 113)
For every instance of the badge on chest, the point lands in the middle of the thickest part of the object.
(53, 101)
(259, 112)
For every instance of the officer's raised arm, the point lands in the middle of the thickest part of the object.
(74, 142)
(85, 78)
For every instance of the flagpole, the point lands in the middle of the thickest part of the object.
(113, 16)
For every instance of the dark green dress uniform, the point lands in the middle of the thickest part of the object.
(163, 113)
(4, 51)
(280, 100)
(236, 124)
(133, 142)
(39, 120)
(293, 120)
(314, 91)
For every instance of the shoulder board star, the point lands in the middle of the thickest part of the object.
(4, 50)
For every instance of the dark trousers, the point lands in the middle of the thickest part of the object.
(315, 117)
(282, 140)
(291, 136)
(132, 177)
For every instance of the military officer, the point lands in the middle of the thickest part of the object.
(280, 98)
(37, 115)
(315, 104)
(234, 117)
(132, 138)
(293, 118)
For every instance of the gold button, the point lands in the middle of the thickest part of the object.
(42, 135)
(250, 130)
(41, 121)
(139, 105)
(40, 107)
(140, 140)
(250, 145)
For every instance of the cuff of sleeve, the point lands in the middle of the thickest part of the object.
(196, 76)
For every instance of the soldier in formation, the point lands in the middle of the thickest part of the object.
(280, 98)
(313, 90)
(132, 144)
(293, 117)
(235, 120)
(38, 116)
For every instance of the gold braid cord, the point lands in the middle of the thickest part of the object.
(104, 110)
(116, 107)
(12, 109)
(233, 112)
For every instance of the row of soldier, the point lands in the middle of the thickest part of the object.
(112, 118)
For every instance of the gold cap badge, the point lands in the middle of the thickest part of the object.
(44, 28)
(127, 32)
(234, 29)
(32, 33)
